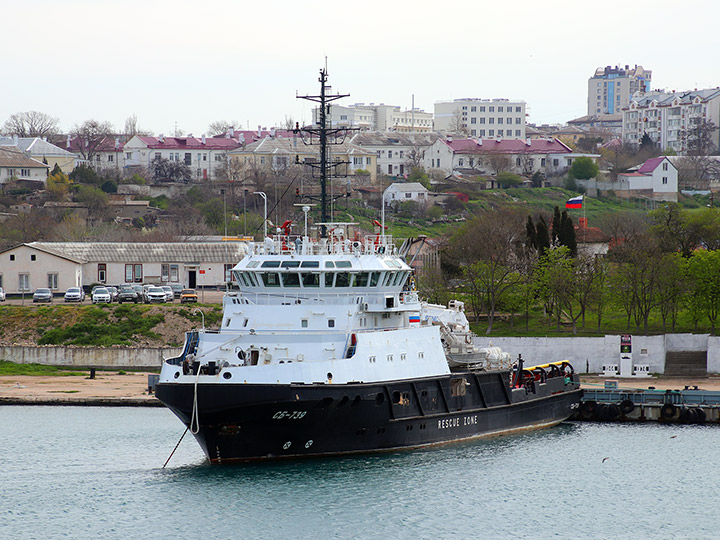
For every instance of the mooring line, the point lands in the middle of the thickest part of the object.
(176, 446)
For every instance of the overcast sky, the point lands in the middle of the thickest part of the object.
(193, 63)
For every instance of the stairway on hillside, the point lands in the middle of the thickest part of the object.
(686, 364)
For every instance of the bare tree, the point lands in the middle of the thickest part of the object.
(414, 158)
(90, 135)
(701, 134)
(132, 128)
(31, 124)
(498, 162)
(458, 124)
(697, 171)
(221, 127)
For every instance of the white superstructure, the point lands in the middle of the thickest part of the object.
(334, 310)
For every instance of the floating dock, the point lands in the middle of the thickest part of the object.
(612, 404)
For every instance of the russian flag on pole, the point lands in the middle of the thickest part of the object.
(575, 202)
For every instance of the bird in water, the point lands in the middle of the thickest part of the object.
(674, 436)
(605, 459)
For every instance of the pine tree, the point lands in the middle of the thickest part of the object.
(531, 233)
(542, 237)
(566, 234)
(556, 225)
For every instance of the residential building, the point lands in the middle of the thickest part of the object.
(205, 156)
(671, 119)
(482, 118)
(600, 123)
(43, 151)
(106, 156)
(396, 153)
(381, 117)
(15, 166)
(59, 265)
(655, 179)
(490, 156)
(277, 154)
(610, 88)
(591, 241)
(403, 192)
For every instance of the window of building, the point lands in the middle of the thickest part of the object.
(102, 272)
(482, 108)
(23, 282)
(481, 133)
(473, 108)
(331, 323)
(473, 132)
(665, 180)
(460, 162)
(517, 133)
(52, 281)
(33, 257)
(304, 323)
(482, 120)
(555, 162)
(473, 120)
(389, 153)
(509, 120)
(111, 157)
(390, 169)
(517, 120)
(500, 120)
(518, 109)
(128, 155)
(133, 273)
(24, 172)
(665, 167)
(542, 162)
(491, 109)
(188, 158)
(12, 257)
(500, 133)
(491, 133)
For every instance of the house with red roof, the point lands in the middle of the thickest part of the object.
(656, 179)
(105, 154)
(205, 156)
(471, 157)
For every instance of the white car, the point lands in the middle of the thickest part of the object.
(74, 294)
(2, 295)
(101, 295)
(155, 294)
(169, 294)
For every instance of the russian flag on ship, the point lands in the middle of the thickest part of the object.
(415, 319)
(575, 202)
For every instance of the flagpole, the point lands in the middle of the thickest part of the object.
(584, 219)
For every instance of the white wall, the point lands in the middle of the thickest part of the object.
(590, 354)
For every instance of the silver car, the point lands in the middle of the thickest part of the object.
(155, 295)
(43, 295)
(169, 294)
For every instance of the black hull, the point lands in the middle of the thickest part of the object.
(252, 422)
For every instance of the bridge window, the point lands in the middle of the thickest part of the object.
(271, 264)
(374, 278)
(271, 279)
(343, 264)
(361, 279)
(291, 280)
(310, 264)
(342, 279)
(311, 279)
(290, 264)
(329, 279)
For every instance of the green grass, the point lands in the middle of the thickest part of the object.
(13, 369)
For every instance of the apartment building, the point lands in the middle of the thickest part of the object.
(671, 119)
(396, 153)
(491, 118)
(381, 117)
(610, 88)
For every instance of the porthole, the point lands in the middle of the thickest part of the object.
(177, 374)
(329, 376)
(227, 375)
(379, 398)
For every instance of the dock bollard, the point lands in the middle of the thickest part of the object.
(92, 372)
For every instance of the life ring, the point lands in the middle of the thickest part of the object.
(381, 250)
(668, 410)
(468, 339)
(627, 406)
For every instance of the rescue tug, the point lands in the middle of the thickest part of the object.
(326, 349)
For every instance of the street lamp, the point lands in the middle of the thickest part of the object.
(224, 210)
(265, 219)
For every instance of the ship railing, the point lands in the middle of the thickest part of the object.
(375, 244)
(352, 297)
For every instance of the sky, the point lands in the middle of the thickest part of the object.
(187, 64)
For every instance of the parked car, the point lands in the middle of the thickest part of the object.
(101, 295)
(127, 294)
(139, 291)
(74, 294)
(2, 295)
(177, 289)
(188, 295)
(113, 293)
(155, 295)
(42, 295)
(169, 294)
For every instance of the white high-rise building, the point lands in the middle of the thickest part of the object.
(677, 120)
(484, 118)
(610, 88)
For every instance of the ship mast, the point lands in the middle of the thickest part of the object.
(324, 136)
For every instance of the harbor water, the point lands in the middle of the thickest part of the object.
(87, 472)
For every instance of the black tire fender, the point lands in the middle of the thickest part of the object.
(668, 410)
(627, 406)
